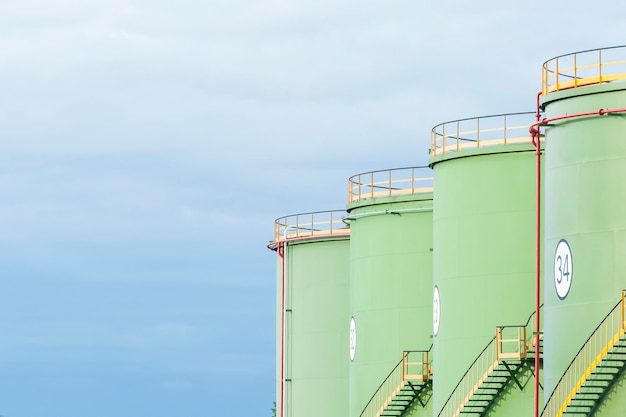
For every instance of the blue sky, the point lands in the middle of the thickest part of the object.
(147, 146)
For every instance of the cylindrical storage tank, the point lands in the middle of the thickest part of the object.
(484, 227)
(312, 308)
(585, 223)
(390, 217)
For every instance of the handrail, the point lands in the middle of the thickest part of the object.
(516, 347)
(586, 360)
(528, 335)
(485, 363)
(313, 224)
(389, 182)
(396, 380)
(480, 132)
(583, 68)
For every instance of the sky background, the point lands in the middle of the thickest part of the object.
(147, 146)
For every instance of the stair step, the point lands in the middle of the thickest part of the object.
(588, 395)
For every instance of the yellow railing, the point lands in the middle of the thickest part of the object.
(390, 182)
(477, 373)
(320, 223)
(480, 132)
(510, 342)
(595, 349)
(584, 68)
(414, 366)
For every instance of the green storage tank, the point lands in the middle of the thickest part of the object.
(484, 247)
(312, 310)
(585, 226)
(390, 291)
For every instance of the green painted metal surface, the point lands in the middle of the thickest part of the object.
(390, 289)
(484, 253)
(317, 341)
(516, 402)
(584, 205)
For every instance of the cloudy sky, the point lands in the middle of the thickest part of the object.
(146, 146)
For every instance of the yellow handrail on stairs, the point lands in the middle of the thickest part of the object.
(501, 348)
(590, 355)
(414, 366)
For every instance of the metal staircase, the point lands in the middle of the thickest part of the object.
(595, 369)
(501, 363)
(491, 387)
(599, 382)
(407, 384)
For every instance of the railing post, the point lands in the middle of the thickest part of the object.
(575, 72)
(498, 342)
(331, 223)
(623, 309)
(600, 63)
(349, 190)
(433, 149)
(297, 225)
(404, 364)
(556, 74)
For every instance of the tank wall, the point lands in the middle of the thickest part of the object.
(584, 204)
(317, 334)
(484, 255)
(390, 290)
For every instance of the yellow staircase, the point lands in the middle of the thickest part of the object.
(409, 382)
(594, 370)
(500, 363)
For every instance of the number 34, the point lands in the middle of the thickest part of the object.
(563, 267)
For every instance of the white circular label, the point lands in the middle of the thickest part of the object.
(563, 269)
(352, 339)
(436, 311)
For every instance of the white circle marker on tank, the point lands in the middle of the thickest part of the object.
(436, 311)
(352, 339)
(563, 269)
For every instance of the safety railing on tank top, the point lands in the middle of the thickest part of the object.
(319, 223)
(597, 346)
(510, 342)
(390, 182)
(415, 365)
(481, 132)
(584, 68)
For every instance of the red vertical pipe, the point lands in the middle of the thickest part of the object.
(281, 253)
(537, 142)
